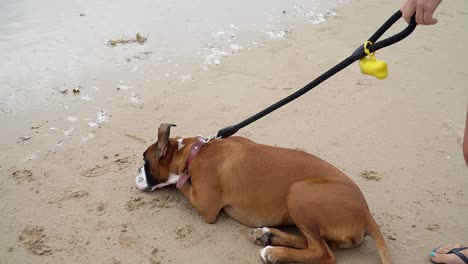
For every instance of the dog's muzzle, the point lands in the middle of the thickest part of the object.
(142, 183)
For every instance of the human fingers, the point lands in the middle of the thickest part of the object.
(429, 9)
(420, 14)
(403, 6)
(428, 17)
(409, 10)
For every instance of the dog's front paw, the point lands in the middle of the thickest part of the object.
(261, 236)
(267, 255)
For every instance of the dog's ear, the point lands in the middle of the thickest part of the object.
(163, 139)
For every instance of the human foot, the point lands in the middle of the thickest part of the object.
(451, 254)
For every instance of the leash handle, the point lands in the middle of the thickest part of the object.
(357, 55)
(360, 52)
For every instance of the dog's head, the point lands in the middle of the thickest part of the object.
(156, 173)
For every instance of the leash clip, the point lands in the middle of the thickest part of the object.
(209, 138)
(366, 50)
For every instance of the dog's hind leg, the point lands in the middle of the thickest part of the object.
(317, 253)
(274, 237)
(315, 250)
(311, 210)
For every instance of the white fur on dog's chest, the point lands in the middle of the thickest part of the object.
(173, 178)
(142, 183)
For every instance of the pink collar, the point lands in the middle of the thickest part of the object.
(193, 152)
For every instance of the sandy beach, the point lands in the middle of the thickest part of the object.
(399, 139)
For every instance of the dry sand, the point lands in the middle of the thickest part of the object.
(398, 139)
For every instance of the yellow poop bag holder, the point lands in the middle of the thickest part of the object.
(371, 66)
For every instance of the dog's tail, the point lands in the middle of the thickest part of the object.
(374, 231)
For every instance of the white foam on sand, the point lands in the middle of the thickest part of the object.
(236, 47)
(136, 98)
(102, 117)
(273, 24)
(87, 98)
(72, 119)
(87, 137)
(93, 125)
(320, 17)
(279, 34)
(214, 55)
(186, 77)
(69, 131)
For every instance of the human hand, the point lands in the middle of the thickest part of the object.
(424, 10)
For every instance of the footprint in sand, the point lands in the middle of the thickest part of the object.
(70, 194)
(136, 138)
(99, 208)
(188, 235)
(165, 200)
(134, 203)
(371, 175)
(34, 240)
(182, 232)
(22, 175)
(98, 170)
(433, 227)
(77, 243)
(124, 162)
(127, 241)
(95, 171)
(155, 257)
(74, 193)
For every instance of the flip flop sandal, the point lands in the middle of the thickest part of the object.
(457, 252)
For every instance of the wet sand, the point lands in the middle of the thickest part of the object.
(52, 48)
(398, 139)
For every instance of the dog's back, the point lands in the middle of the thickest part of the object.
(263, 173)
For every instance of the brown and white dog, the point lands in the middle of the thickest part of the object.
(264, 186)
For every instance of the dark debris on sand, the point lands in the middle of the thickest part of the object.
(138, 39)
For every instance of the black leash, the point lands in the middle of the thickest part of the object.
(357, 55)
